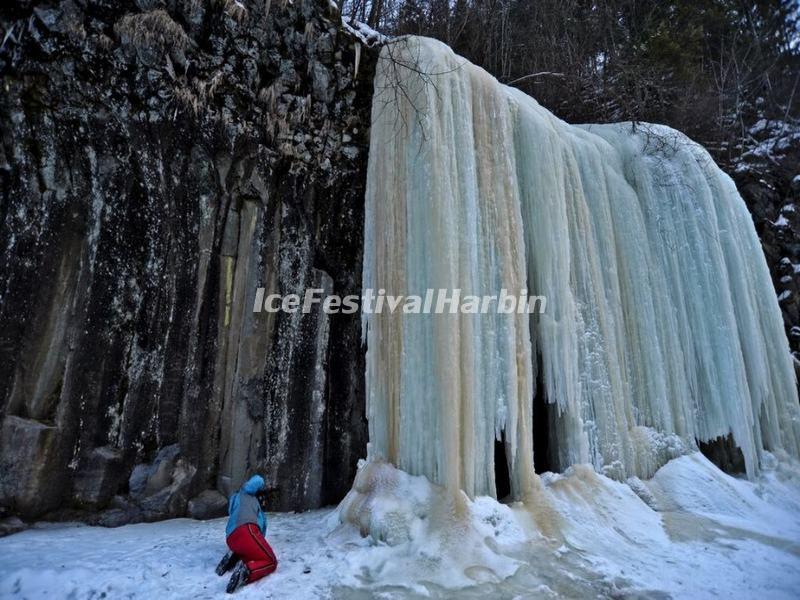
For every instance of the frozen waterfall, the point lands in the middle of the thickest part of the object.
(661, 325)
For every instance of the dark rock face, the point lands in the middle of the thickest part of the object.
(11, 525)
(159, 161)
(723, 452)
(768, 177)
(209, 504)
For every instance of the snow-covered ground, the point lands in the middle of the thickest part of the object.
(690, 532)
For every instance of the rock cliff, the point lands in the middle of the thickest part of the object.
(159, 161)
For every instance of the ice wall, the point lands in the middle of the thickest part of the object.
(661, 326)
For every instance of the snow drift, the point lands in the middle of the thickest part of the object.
(661, 328)
(689, 532)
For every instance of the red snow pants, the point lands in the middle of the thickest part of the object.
(248, 544)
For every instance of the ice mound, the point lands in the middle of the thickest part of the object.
(689, 530)
(410, 524)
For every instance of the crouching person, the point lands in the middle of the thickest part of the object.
(247, 525)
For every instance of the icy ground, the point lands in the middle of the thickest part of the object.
(690, 532)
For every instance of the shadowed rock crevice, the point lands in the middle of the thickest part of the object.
(723, 452)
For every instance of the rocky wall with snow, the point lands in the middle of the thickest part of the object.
(767, 173)
(160, 160)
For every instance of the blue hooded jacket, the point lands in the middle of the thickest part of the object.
(243, 506)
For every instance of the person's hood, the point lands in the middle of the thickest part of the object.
(253, 485)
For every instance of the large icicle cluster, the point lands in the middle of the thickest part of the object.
(661, 324)
(441, 388)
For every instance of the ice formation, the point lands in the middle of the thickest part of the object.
(661, 325)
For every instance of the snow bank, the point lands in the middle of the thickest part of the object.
(691, 531)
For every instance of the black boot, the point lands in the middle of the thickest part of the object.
(239, 578)
(227, 563)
